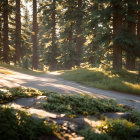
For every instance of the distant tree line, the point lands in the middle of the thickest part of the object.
(66, 33)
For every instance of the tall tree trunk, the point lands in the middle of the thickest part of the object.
(18, 31)
(53, 65)
(34, 37)
(138, 23)
(138, 28)
(79, 39)
(70, 34)
(130, 60)
(92, 58)
(1, 31)
(117, 49)
(5, 33)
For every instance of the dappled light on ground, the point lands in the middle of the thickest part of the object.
(52, 83)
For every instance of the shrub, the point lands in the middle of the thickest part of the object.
(18, 125)
(79, 104)
(120, 129)
(89, 134)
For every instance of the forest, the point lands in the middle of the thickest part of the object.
(61, 34)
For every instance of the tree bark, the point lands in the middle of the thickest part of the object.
(117, 49)
(70, 35)
(53, 65)
(138, 28)
(0, 31)
(138, 23)
(34, 37)
(18, 32)
(5, 33)
(130, 60)
(79, 39)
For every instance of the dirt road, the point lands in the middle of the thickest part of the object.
(51, 82)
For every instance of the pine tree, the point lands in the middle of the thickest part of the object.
(5, 33)
(68, 35)
(18, 32)
(53, 63)
(1, 22)
(34, 37)
(130, 61)
(138, 23)
(117, 24)
(79, 32)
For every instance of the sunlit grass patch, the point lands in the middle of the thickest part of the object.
(6, 72)
(22, 70)
(123, 81)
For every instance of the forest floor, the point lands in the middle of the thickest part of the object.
(50, 82)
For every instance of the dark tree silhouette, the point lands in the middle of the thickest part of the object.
(34, 37)
(18, 32)
(79, 39)
(5, 33)
(117, 49)
(54, 49)
(130, 60)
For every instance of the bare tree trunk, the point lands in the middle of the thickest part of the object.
(79, 39)
(138, 23)
(34, 37)
(70, 63)
(5, 33)
(18, 31)
(53, 65)
(117, 49)
(1, 31)
(138, 28)
(130, 60)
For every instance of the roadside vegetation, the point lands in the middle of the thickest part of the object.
(122, 81)
(17, 124)
(18, 69)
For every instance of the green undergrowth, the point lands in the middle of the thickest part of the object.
(113, 129)
(18, 125)
(10, 94)
(63, 103)
(80, 104)
(123, 81)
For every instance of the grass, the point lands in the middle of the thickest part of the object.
(122, 81)
(19, 69)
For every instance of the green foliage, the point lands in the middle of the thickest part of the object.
(79, 104)
(120, 129)
(134, 117)
(89, 134)
(17, 125)
(123, 81)
(10, 94)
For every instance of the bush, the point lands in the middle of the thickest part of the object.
(89, 134)
(10, 94)
(79, 104)
(134, 117)
(18, 125)
(120, 129)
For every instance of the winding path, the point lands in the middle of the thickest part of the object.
(51, 82)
